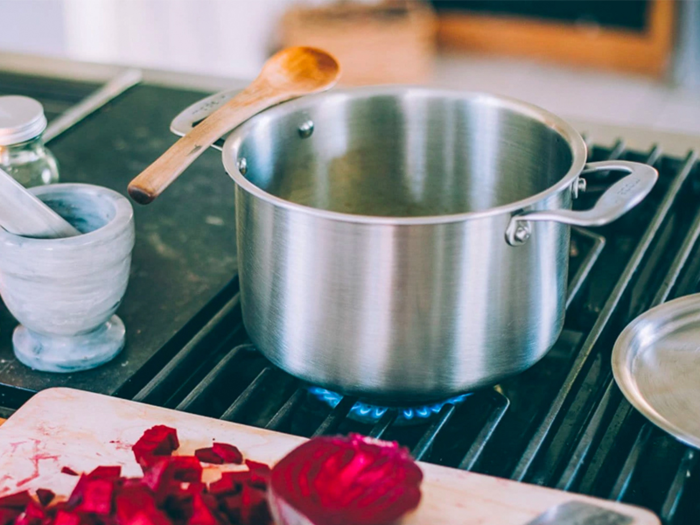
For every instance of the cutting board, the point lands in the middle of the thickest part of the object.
(63, 427)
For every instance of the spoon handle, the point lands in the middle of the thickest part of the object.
(21, 213)
(155, 178)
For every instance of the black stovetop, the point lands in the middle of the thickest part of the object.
(562, 424)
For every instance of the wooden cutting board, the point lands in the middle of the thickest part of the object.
(62, 427)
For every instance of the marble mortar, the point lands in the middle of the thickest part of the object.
(64, 292)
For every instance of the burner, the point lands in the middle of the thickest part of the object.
(368, 414)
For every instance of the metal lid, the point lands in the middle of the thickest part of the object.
(656, 363)
(21, 119)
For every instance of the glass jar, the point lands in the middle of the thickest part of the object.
(22, 151)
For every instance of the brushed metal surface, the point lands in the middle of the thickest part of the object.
(372, 251)
(656, 363)
(579, 513)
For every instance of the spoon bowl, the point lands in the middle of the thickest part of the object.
(304, 70)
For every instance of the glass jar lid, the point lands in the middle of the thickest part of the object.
(21, 119)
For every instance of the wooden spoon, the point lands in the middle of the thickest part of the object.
(291, 73)
(22, 213)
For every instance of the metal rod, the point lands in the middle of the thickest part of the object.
(477, 449)
(585, 442)
(284, 413)
(333, 420)
(380, 428)
(209, 380)
(92, 103)
(675, 492)
(587, 265)
(239, 404)
(623, 480)
(181, 365)
(423, 446)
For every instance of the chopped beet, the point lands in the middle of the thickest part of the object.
(259, 473)
(8, 515)
(231, 507)
(166, 475)
(170, 492)
(344, 481)
(136, 506)
(254, 508)
(45, 496)
(147, 517)
(66, 518)
(76, 497)
(18, 500)
(156, 441)
(201, 513)
(34, 511)
(97, 496)
(103, 472)
(22, 519)
(228, 453)
(129, 500)
(229, 483)
(207, 455)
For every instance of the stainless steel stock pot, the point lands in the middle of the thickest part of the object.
(408, 244)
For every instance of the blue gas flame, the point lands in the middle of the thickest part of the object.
(366, 413)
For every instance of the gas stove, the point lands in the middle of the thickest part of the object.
(563, 423)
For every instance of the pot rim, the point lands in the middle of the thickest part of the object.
(576, 144)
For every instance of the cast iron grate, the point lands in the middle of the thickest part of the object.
(563, 423)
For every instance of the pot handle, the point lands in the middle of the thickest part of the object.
(189, 117)
(620, 198)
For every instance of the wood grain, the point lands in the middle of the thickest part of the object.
(85, 430)
(288, 74)
(646, 52)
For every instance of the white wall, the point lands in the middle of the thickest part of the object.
(218, 37)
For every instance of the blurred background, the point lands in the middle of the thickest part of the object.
(629, 62)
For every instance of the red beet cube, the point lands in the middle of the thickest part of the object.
(229, 483)
(231, 506)
(69, 471)
(254, 509)
(76, 497)
(19, 500)
(103, 472)
(207, 455)
(201, 513)
(147, 517)
(156, 441)
(8, 515)
(66, 518)
(228, 453)
(45, 496)
(34, 511)
(167, 474)
(259, 473)
(97, 496)
(129, 500)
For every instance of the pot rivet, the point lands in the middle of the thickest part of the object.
(306, 129)
(578, 187)
(522, 233)
(242, 165)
